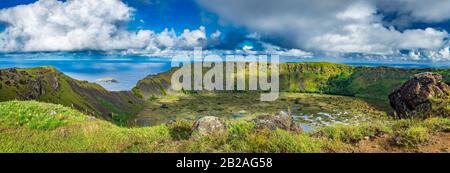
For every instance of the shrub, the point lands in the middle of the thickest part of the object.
(348, 134)
(438, 124)
(412, 137)
(354, 134)
(180, 130)
(240, 130)
(281, 141)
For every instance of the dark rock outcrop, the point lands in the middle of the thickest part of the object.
(281, 120)
(209, 125)
(422, 96)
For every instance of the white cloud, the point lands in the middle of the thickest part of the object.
(335, 27)
(340, 26)
(166, 38)
(417, 10)
(272, 49)
(433, 55)
(358, 11)
(51, 25)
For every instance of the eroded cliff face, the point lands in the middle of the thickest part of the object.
(50, 85)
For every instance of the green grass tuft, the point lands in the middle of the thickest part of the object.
(412, 137)
(35, 115)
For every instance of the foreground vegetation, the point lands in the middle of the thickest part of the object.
(29, 126)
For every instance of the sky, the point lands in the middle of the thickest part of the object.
(412, 30)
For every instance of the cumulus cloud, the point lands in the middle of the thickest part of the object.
(51, 25)
(416, 10)
(340, 26)
(285, 27)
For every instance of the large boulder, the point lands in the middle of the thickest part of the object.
(424, 95)
(209, 125)
(280, 120)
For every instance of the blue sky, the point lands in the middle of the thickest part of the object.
(405, 29)
(158, 14)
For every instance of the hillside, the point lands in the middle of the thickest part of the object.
(317, 77)
(47, 84)
(34, 127)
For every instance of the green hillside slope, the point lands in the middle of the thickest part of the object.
(47, 84)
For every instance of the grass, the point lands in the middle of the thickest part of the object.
(412, 137)
(36, 115)
(30, 126)
(411, 133)
(354, 133)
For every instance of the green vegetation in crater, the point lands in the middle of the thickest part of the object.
(246, 105)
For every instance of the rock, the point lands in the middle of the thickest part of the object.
(37, 90)
(281, 120)
(242, 112)
(54, 82)
(91, 118)
(422, 96)
(164, 106)
(52, 113)
(209, 125)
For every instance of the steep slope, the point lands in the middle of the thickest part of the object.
(50, 85)
(318, 77)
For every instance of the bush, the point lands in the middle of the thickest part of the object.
(180, 130)
(348, 134)
(281, 141)
(354, 134)
(238, 131)
(412, 137)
